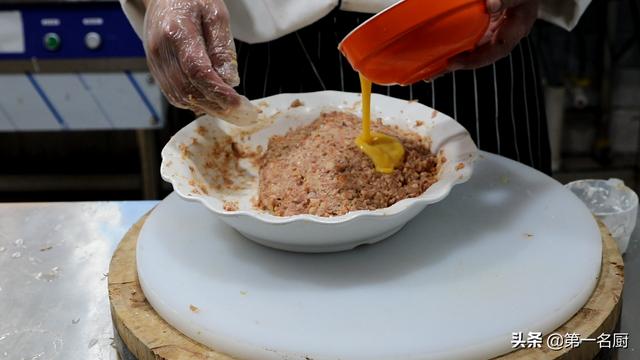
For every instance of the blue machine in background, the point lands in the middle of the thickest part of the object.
(73, 65)
(77, 65)
(78, 30)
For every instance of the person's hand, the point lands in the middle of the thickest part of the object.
(511, 20)
(191, 53)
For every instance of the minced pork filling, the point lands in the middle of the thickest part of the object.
(318, 169)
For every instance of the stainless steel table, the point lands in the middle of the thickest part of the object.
(54, 259)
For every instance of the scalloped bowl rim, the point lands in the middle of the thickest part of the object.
(396, 209)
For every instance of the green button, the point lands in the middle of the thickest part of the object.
(52, 41)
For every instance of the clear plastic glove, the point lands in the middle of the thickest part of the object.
(191, 53)
(511, 20)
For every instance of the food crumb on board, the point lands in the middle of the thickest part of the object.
(243, 292)
(296, 103)
(419, 122)
(504, 179)
(460, 166)
(46, 248)
(194, 309)
(434, 114)
(528, 236)
(230, 206)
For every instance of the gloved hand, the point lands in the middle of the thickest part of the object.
(511, 21)
(191, 53)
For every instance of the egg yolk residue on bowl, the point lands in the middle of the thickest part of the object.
(385, 151)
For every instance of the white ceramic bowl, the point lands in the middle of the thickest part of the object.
(184, 166)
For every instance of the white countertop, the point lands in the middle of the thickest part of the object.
(54, 259)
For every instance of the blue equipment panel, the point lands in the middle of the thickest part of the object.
(64, 28)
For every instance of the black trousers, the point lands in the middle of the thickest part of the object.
(501, 105)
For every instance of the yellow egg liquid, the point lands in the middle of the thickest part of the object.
(385, 151)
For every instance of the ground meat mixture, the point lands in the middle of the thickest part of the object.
(230, 206)
(215, 164)
(317, 169)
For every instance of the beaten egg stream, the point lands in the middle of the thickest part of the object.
(385, 151)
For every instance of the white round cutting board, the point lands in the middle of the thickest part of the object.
(510, 251)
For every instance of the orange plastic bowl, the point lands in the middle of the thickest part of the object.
(414, 39)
